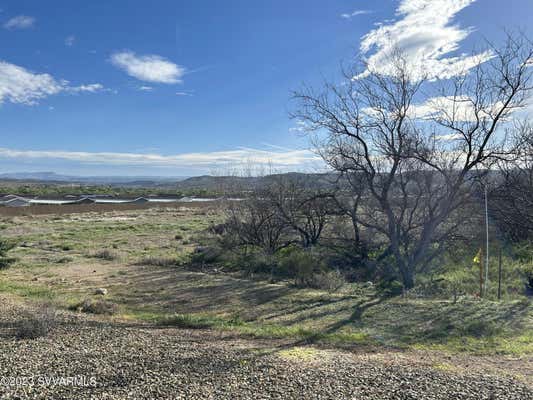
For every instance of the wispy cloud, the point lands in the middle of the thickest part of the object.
(300, 127)
(185, 93)
(145, 88)
(449, 137)
(20, 22)
(148, 68)
(424, 34)
(19, 85)
(283, 158)
(70, 40)
(459, 109)
(91, 88)
(355, 13)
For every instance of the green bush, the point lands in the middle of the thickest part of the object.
(480, 328)
(302, 265)
(5, 246)
(527, 271)
(330, 281)
(206, 255)
(253, 261)
(389, 287)
(188, 321)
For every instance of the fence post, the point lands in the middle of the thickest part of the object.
(500, 274)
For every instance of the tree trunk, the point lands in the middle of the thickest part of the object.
(407, 277)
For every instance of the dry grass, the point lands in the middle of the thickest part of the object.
(96, 306)
(106, 254)
(36, 324)
(148, 289)
(85, 208)
(158, 261)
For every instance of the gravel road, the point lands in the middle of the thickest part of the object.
(90, 358)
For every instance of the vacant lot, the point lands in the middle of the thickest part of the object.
(344, 344)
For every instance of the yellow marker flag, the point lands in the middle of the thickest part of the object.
(477, 258)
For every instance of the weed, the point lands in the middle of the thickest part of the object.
(107, 255)
(100, 307)
(36, 324)
(158, 261)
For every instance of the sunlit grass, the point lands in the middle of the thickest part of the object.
(150, 287)
(35, 292)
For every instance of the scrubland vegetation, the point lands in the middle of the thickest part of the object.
(188, 279)
(386, 253)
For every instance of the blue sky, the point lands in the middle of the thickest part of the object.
(180, 88)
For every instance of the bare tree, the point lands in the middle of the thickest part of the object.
(417, 147)
(511, 197)
(256, 222)
(304, 208)
(348, 199)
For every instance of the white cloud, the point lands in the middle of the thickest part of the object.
(285, 158)
(91, 88)
(424, 35)
(449, 137)
(355, 14)
(184, 94)
(301, 127)
(148, 68)
(458, 109)
(70, 40)
(146, 88)
(18, 85)
(20, 22)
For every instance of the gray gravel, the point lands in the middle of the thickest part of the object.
(143, 362)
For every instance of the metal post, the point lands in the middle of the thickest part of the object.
(481, 283)
(487, 237)
(500, 274)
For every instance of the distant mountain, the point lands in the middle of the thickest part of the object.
(236, 183)
(217, 184)
(37, 176)
(97, 180)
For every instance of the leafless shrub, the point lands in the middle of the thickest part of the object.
(36, 324)
(106, 254)
(329, 280)
(158, 261)
(99, 307)
(511, 190)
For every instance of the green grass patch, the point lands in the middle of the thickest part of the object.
(299, 353)
(37, 292)
(230, 301)
(257, 330)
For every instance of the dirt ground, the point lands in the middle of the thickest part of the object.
(116, 359)
(59, 263)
